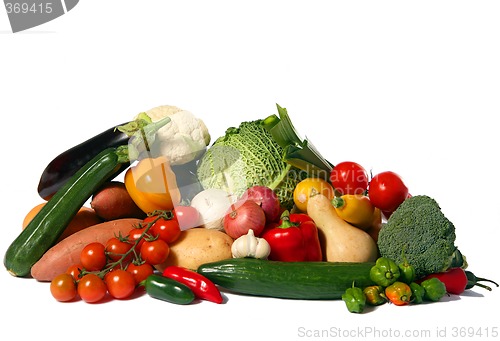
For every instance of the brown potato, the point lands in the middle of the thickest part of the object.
(198, 246)
(112, 201)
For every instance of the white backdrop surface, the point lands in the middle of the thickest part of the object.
(408, 86)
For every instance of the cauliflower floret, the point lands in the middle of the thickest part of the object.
(183, 139)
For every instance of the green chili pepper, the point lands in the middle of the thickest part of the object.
(406, 270)
(384, 272)
(354, 299)
(473, 280)
(167, 289)
(375, 295)
(434, 289)
(417, 293)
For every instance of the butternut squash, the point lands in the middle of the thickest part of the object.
(340, 241)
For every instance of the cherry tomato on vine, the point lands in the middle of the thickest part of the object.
(63, 287)
(120, 283)
(75, 270)
(187, 216)
(140, 272)
(154, 252)
(165, 229)
(93, 256)
(387, 191)
(116, 248)
(134, 235)
(349, 178)
(91, 288)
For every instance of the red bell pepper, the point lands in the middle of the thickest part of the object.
(293, 239)
(201, 286)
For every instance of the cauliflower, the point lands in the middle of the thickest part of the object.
(183, 139)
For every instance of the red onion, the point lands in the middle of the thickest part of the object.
(243, 216)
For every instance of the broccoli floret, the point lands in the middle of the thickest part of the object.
(419, 230)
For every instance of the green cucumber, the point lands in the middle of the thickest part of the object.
(293, 280)
(50, 222)
(167, 289)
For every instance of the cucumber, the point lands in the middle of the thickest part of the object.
(46, 227)
(167, 289)
(292, 280)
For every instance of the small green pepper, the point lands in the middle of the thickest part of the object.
(406, 270)
(417, 293)
(375, 295)
(354, 299)
(384, 272)
(434, 289)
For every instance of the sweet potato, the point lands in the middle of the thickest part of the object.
(85, 217)
(112, 201)
(67, 252)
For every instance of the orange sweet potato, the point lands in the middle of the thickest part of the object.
(112, 201)
(67, 252)
(85, 217)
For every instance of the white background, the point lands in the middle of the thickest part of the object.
(408, 86)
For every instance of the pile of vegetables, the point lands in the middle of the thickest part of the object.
(258, 212)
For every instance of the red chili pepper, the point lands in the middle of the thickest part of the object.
(201, 286)
(457, 280)
(293, 239)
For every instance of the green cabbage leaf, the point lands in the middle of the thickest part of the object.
(245, 156)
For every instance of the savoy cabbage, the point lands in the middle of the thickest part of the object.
(246, 156)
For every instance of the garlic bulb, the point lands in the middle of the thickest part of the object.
(250, 246)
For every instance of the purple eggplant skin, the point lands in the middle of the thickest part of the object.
(66, 164)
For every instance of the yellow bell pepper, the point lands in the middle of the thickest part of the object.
(152, 185)
(356, 209)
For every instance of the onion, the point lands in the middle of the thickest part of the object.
(212, 205)
(265, 198)
(244, 215)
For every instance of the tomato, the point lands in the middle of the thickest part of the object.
(116, 248)
(140, 272)
(187, 216)
(387, 191)
(134, 235)
(165, 229)
(308, 187)
(93, 256)
(63, 287)
(91, 288)
(349, 178)
(75, 270)
(154, 252)
(120, 283)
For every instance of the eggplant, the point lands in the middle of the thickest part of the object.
(66, 164)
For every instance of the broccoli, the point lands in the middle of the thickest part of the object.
(419, 231)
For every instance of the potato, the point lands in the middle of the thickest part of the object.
(198, 246)
(112, 201)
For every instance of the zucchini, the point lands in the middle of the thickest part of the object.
(50, 222)
(293, 280)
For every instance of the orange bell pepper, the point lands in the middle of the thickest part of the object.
(152, 185)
